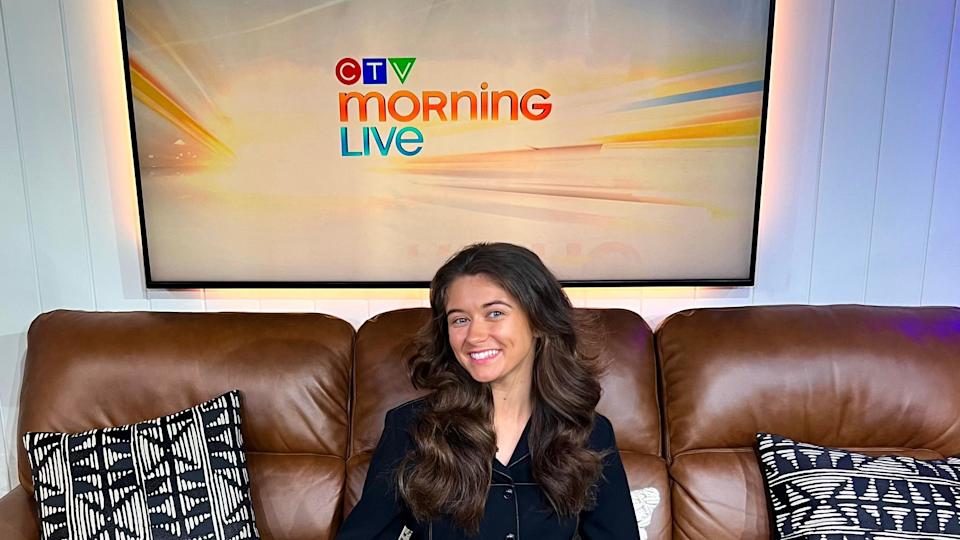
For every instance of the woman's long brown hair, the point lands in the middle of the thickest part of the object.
(449, 472)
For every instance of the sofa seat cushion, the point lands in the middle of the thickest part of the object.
(296, 496)
(718, 494)
(182, 475)
(650, 491)
(17, 516)
(813, 490)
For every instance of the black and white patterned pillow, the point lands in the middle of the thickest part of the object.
(817, 493)
(181, 476)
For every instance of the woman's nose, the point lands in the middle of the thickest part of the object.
(477, 332)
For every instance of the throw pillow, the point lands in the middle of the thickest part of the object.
(816, 493)
(645, 501)
(175, 477)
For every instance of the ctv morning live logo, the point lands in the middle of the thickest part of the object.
(374, 110)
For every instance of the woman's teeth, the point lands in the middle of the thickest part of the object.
(484, 355)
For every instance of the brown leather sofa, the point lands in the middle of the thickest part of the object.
(685, 404)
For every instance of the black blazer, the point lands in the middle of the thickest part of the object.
(516, 508)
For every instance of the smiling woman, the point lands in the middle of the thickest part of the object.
(508, 444)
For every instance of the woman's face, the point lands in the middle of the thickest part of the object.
(490, 333)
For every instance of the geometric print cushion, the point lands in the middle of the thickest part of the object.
(181, 476)
(817, 493)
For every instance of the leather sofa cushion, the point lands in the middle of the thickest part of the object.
(718, 495)
(384, 343)
(839, 376)
(629, 397)
(18, 516)
(92, 370)
(646, 471)
(301, 492)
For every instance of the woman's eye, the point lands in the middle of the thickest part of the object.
(458, 321)
(495, 314)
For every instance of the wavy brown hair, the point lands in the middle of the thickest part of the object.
(449, 471)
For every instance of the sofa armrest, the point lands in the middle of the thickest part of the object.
(17, 516)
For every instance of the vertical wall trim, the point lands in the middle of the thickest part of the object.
(876, 169)
(823, 124)
(76, 150)
(936, 162)
(17, 120)
(4, 457)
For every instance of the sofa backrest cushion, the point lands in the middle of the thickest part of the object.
(629, 400)
(877, 379)
(384, 343)
(93, 370)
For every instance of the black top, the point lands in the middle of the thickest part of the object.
(516, 508)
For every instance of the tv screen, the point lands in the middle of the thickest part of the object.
(360, 143)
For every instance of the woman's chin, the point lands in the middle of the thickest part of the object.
(484, 374)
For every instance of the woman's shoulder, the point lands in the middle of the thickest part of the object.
(405, 414)
(399, 424)
(602, 436)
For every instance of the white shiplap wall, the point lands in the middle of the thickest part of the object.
(860, 198)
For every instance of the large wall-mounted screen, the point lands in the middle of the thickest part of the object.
(361, 142)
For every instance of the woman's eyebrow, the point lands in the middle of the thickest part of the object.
(451, 311)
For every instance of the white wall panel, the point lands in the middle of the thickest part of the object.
(859, 51)
(941, 282)
(5, 485)
(707, 297)
(231, 304)
(381, 305)
(659, 303)
(5, 466)
(908, 151)
(35, 52)
(630, 298)
(576, 295)
(18, 273)
(176, 300)
(353, 310)
(287, 305)
(11, 375)
(8, 465)
(801, 50)
(92, 38)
